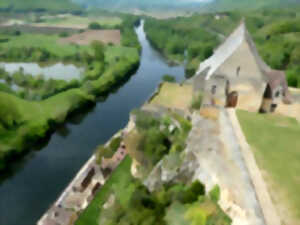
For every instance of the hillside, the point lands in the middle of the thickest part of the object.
(248, 4)
(142, 4)
(38, 5)
(190, 5)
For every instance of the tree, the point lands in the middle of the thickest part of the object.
(99, 50)
(94, 26)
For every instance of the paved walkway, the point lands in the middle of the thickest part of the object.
(269, 212)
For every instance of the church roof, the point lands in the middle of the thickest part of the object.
(225, 50)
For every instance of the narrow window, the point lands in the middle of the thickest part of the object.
(214, 89)
(277, 94)
(238, 71)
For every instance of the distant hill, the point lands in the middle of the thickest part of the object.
(142, 4)
(38, 5)
(250, 4)
(194, 5)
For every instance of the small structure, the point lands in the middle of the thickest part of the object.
(60, 216)
(112, 163)
(236, 76)
(87, 180)
(275, 92)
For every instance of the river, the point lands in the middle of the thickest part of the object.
(37, 181)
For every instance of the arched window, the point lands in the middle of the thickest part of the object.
(277, 94)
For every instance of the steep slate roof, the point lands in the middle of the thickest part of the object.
(223, 52)
(208, 67)
(230, 45)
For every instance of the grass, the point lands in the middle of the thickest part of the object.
(49, 42)
(120, 177)
(275, 142)
(107, 21)
(114, 52)
(174, 95)
(29, 120)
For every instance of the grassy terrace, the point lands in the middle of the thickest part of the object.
(121, 179)
(275, 142)
(174, 95)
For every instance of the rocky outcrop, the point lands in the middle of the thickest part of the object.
(213, 157)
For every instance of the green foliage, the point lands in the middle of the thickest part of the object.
(129, 37)
(135, 205)
(58, 6)
(108, 151)
(145, 121)
(197, 101)
(173, 36)
(169, 78)
(215, 193)
(192, 67)
(99, 52)
(157, 139)
(64, 34)
(293, 77)
(95, 26)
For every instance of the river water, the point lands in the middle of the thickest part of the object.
(36, 182)
(58, 71)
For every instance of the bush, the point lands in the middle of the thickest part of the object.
(169, 78)
(64, 34)
(215, 194)
(196, 102)
(94, 26)
(109, 151)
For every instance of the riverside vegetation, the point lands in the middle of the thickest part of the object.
(275, 32)
(177, 202)
(30, 113)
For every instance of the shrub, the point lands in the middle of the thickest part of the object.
(64, 34)
(94, 26)
(169, 78)
(215, 193)
(196, 102)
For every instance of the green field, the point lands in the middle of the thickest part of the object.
(23, 122)
(276, 143)
(48, 42)
(120, 178)
(37, 5)
(105, 21)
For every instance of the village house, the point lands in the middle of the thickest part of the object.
(236, 76)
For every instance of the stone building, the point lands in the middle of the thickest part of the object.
(236, 76)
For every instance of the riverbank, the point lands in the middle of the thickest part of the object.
(48, 171)
(29, 122)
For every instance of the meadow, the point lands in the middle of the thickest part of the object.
(276, 149)
(48, 42)
(83, 22)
